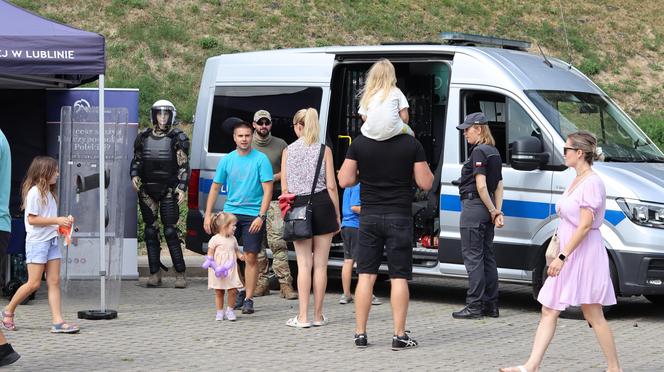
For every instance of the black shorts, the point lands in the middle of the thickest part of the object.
(350, 236)
(324, 215)
(391, 233)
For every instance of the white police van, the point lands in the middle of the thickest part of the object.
(532, 102)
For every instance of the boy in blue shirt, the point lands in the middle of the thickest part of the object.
(350, 225)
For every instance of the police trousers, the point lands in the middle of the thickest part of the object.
(477, 233)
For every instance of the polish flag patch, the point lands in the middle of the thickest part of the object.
(478, 164)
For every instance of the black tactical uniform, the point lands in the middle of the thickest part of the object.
(161, 162)
(477, 231)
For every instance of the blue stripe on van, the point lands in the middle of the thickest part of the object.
(204, 185)
(523, 209)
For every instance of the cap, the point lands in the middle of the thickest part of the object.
(260, 114)
(476, 118)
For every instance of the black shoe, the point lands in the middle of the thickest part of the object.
(248, 307)
(361, 340)
(403, 342)
(8, 355)
(467, 313)
(490, 311)
(239, 300)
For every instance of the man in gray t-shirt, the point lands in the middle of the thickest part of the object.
(272, 147)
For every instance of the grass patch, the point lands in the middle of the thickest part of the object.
(653, 125)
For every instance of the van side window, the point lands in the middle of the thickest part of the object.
(507, 119)
(243, 102)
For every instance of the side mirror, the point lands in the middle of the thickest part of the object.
(526, 153)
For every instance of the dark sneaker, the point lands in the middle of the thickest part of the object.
(7, 355)
(239, 300)
(361, 340)
(490, 311)
(403, 342)
(248, 307)
(467, 313)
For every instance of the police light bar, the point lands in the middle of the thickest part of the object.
(460, 38)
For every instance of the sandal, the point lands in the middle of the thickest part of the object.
(8, 325)
(323, 321)
(294, 322)
(520, 368)
(65, 328)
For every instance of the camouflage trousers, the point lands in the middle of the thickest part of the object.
(273, 240)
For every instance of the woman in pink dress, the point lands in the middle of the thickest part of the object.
(580, 275)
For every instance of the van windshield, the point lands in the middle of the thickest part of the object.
(618, 136)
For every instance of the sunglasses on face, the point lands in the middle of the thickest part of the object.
(298, 123)
(568, 148)
(263, 123)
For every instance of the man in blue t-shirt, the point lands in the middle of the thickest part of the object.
(247, 175)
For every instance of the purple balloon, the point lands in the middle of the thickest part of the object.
(220, 271)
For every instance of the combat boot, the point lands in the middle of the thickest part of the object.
(180, 280)
(155, 279)
(288, 292)
(262, 290)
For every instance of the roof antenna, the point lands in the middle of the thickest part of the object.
(546, 60)
(569, 51)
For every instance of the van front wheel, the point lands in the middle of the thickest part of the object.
(656, 299)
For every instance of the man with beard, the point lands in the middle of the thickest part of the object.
(272, 147)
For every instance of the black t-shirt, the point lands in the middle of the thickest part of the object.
(386, 172)
(483, 159)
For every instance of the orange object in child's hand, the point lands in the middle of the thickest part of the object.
(66, 231)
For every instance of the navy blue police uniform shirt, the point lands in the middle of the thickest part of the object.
(386, 172)
(483, 159)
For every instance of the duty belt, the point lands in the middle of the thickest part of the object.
(473, 195)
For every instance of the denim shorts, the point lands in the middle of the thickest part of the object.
(390, 234)
(42, 252)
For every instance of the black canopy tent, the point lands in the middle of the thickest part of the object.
(37, 53)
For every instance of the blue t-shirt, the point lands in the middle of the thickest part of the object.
(243, 177)
(351, 199)
(5, 183)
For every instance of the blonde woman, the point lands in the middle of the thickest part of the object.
(383, 106)
(298, 165)
(580, 275)
(481, 192)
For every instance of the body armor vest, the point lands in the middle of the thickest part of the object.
(159, 161)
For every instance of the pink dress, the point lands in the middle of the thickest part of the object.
(585, 277)
(224, 250)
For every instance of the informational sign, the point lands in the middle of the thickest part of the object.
(82, 258)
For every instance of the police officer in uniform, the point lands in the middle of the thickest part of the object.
(481, 190)
(160, 173)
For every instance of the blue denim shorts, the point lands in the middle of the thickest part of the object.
(42, 252)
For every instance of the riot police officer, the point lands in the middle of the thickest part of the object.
(160, 173)
(481, 191)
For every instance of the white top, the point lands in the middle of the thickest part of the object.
(383, 120)
(34, 205)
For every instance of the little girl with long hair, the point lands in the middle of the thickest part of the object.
(223, 250)
(383, 106)
(41, 242)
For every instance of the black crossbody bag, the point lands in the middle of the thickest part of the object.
(298, 220)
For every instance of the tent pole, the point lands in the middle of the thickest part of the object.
(102, 198)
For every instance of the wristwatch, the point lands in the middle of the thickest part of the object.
(562, 257)
(263, 217)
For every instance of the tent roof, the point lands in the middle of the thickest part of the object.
(36, 52)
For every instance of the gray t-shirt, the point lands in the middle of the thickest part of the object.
(272, 148)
